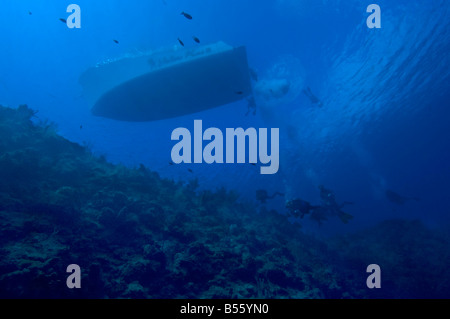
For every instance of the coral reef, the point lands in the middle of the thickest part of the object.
(414, 259)
(136, 235)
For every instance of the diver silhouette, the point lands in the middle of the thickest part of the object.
(299, 208)
(331, 206)
(314, 99)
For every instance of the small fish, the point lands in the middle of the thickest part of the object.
(190, 171)
(115, 41)
(30, 13)
(181, 42)
(186, 15)
(81, 127)
(196, 39)
(239, 92)
(171, 163)
(63, 20)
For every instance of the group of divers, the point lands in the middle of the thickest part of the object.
(329, 207)
(298, 208)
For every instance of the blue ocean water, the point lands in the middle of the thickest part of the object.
(383, 123)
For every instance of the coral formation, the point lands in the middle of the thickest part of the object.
(136, 235)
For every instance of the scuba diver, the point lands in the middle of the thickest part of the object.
(397, 198)
(329, 202)
(251, 106)
(263, 196)
(299, 208)
(251, 103)
(314, 99)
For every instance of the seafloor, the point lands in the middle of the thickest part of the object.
(136, 235)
